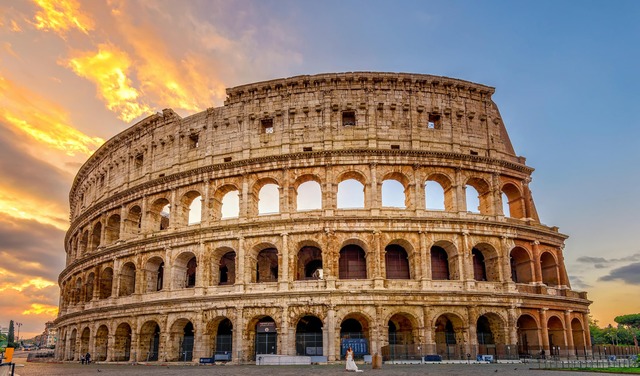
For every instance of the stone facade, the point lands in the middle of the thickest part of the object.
(144, 281)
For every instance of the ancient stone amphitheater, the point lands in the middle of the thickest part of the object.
(384, 211)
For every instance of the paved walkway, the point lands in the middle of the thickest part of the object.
(67, 369)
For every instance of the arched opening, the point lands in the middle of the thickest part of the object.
(352, 263)
(577, 333)
(184, 270)
(505, 205)
(549, 268)
(224, 338)
(478, 196)
(472, 199)
(122, 343)
(127, 279)
(309, 265)
(106, 283)
(393, 194)
(150, 341)
(479, 268)
(227, 269)
(439, 264)
(72, 345)
(486, 263)
(521, 266)
(528, 336)
(88, 290)
(396, 262)
(133, 223)
(112, 231)
(230, 205)
(350, 194)
(160, 214)
(490, 332)
(267, 266)
(483, 331)
(557, 337)
(434, 196)
(513, 202)
(77, 293)
(266, 341)
(96, 235)
(84, 243)
(84, 341)
(400, 330)
(309, 336)
(354, 333)
(100, 344)
(154, 273)
(191, 272)
(269, 199)
(309, 196)
(192, 201)
(186, 343)
(449, 332)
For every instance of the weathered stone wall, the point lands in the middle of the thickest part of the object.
(130, 266)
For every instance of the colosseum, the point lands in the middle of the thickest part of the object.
(383, 211)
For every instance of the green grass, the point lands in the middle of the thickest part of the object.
(635, 370)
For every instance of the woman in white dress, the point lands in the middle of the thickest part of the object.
(351, 365)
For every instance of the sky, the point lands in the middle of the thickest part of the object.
(75, 73)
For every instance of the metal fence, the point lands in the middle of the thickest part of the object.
(507, 352)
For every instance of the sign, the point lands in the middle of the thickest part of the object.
(266, 327)
(358, 345)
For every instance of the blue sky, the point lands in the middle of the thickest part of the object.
(565, 73)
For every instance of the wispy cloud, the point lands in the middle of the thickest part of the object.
(60, 16)
(108, 68)
(42, 120)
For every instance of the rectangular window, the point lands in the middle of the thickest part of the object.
(193, 141)
(267, 126)
(348, 119)
(139, 160)
(227, 159)
(307, 148)
(434, 122)
(395, 147)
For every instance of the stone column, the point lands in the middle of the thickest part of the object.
(284, 332)
(461, 203)
(418, 197)
(111, 341)
(283, 279)
(472, 313)
(134, 344)
(537, 267)
(373, 198)
(167, 283)
(544, 332)
(175, 210)
(240, 261)
(200, 268)
(507, 245)
(245, 205)
(115, 283)
(123, 222)
(330, 333)
(103, 233)
(466, 268)
(284, 193)
(568, 333)
(378, 254)
(199, 350)
(238, 330)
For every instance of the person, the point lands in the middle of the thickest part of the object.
(87, 358)
(82, 359)
(351, 364)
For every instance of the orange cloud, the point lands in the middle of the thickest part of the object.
(41, 309)
(108, 69)
(19, 205)
(61, 16)
(42, 121)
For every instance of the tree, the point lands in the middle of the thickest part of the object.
(10, 336)
(630, 322)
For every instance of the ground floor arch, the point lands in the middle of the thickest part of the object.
(100, 344)
(149, 342)
(309, 336)
(122, 343)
